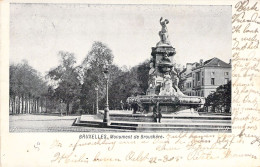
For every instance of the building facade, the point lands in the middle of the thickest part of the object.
(202, 79)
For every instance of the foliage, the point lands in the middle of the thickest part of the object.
(129, 83)
(76, 85)
(67, 79)
(93, 77)
(99, 54)
(180, 76)
(25, 84)
(143, 76)
(220, 101)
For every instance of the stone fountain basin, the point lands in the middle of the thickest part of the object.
(167, 100)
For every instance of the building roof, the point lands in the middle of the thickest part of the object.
(206, 62)
(214, 62)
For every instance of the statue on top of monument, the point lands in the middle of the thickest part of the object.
(164, 33)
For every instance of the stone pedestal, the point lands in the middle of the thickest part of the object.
(161, 64)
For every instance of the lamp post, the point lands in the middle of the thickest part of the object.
(106, 110)
(96, 88)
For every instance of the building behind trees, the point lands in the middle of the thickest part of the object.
(203, 78)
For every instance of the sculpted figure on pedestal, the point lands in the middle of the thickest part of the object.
(164, 33)
(167, 89)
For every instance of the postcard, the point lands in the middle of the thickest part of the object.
(130, 83)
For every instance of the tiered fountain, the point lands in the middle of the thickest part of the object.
(163, 80)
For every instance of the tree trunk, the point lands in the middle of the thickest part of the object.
(14, 104)
(31, 101)
(26, 105)
(46, 108)
(10, 106)
(22, 100)
(33, 105)
(19, 104)
(41, 105)
(67, 108)
(37, 106)
(29, 105)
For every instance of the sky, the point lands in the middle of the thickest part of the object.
(39, 31)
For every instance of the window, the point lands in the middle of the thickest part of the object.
(202, 93)
(193, 83)
(226, 80)
(202, 73)
(198, 76)
(202, 81)
(225, 73)
(212, 81)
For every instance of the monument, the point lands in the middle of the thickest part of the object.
(163, 101)
(163, 80)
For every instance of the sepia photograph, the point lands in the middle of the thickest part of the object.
(120, 68)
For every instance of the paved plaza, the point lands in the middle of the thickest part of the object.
(48, 123)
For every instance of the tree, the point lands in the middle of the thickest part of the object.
(67, 79)
(143, 75)
(27, 89)
(93, 66)
(99, 54)
(129, 83)
(220, 101)
(179, 74)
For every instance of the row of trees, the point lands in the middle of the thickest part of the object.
(27, 89)
(74, 86)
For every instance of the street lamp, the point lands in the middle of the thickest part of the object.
(96, 88)
(106, 110)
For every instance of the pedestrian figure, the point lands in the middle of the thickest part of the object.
(134, 106)
(157, 113)
(122, 105)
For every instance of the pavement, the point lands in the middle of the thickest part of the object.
(57, 123)
(49, 123)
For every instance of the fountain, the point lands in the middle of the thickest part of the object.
(163, 81)
(178, 111)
